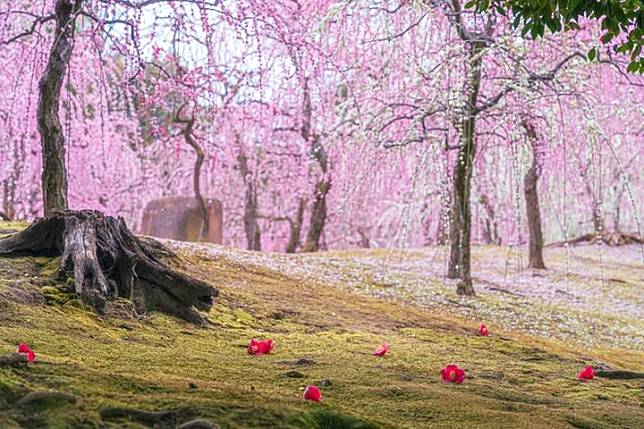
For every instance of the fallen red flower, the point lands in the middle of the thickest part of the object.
(587, 373)
(267, 346)
(260, 347)
(382, 350)
(25, 350)
(453, 374)
(483, 331)
(312, 393)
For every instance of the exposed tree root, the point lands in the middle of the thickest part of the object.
(609, 238)
(13, 359)
(107, 261)
(40, 398)
(620, 375)
(142, 416)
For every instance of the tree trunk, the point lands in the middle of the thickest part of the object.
(54, 173)
(296, 227)
(598, 217)
(444, 221)
(535, 246)
(533, 211)
(461, 226)
(188, 136)
(364, 241)
(319, 209)
(490, 231)
(107, 261)
(251, 224)
(618, 203)
(9, 185)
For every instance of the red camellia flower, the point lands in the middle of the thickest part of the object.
(312, 393)
(587, 373)
(453, 374)
(26, 351)
(483, 331)
(382, 350)
(267, 346)
(260, 347)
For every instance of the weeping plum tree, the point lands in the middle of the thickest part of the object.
(401, 133)
(461, 226)
(99, 252)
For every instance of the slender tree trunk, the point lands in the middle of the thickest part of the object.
(490, 231)
(364, 242)
(9, 198)
(598, 217)
(535, 235)
(618, 203)
(323, 186)
(251, 224)
(318, 217)
(461, 227)
(188, 136)
(444, 221)
(453, 269)
(319, 207)
(54, 174)
(426, 224)
(533, 211)
(296, 228)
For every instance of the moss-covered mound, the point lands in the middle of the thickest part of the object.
(161, 372)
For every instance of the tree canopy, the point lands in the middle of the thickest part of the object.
(621, 20)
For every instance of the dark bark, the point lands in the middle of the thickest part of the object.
(13, 359)
(319, 207)
(323, 185)
(296, 227)
(364, 241)
(188, 136)
(620, 374)
(54, 173)
(490, 229)
(461, 225)
(107, 261)
(251, 215)
(597, 216)
(533, 211)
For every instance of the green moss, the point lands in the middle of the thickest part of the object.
(54, 295)
(321, 332)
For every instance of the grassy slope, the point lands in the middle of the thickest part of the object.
(513, 381)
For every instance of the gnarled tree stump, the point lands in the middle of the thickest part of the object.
(107, 261)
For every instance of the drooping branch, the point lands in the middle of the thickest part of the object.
(532, 79)
(38, 20)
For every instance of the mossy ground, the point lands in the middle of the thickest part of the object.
(161, 363)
